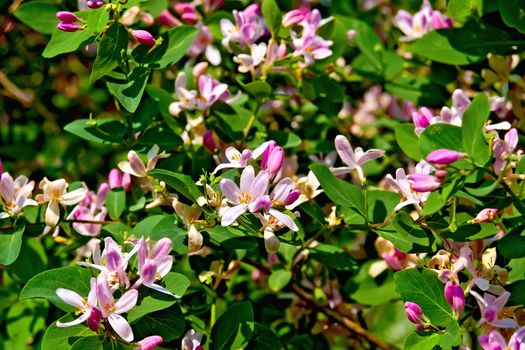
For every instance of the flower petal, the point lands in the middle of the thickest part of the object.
(70, 297)
(230, 190)
(79, 320)
(345, 151)
(231, 214)
(126, 301)
(121, 327)
(284, 219)
(73, 197)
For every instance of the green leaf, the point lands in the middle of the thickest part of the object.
(407, 139)
(45, 284)
(512, 246)
(417, 89)
(176, 283)
(149, 302)
(369, 291)
(24, 320)
(38, 15)
(409, 236)
(160, 226)
(366, 40)
(264, 338)
(332, 257)
(92, 342)
(129, 90)
(381, 204)
(161, 136)
(459, 10)
(474, 119)
(106, 131)
(116, 202)
(421, 341)
(466, 45)
(279, 279)
(175, 44)
(234, 328)
(32, 253)
(512, 13)
(168, 323)
(10, 244)
(183, 184)
(272, 15)
(231, 238)
(285, 139)
(258, 88)
(110, 51)
(64, 338)
(439, 136)
(424, 288)
(339, 191)
(63, 42)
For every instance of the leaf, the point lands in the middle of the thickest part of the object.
(182, 183)
(409, 237)
(424, 288)
(459, 10)
(92, 342)
(116, 202)
(130, 90)
(234, 328)
(512, 13)
(231, 238)
(512, 246)
(285, 139)
(258, 88)
(175, 44)
(10, 244)
(63, 42)
(332, 257)
(38, 15)
(366, 40)
(161, 136)
(176, 283)
(272, 15)
(439, 136)
(417, 89)
(339, 191)
(45, 284)
(407, 139)
(279, 279)
(160, 226)
(110, 51)
(63, 338)
(149, 302)
(466, 45)
(32, 253)
(425, 341)
(474, 119)
(264, 338)
(168, 323)
(99, 130)
(380, 204)
(24, 320)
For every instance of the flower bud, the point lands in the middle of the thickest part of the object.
(143, 37)
(167, 19)
(95, 4)
(444, 156)
(271, 242)
(209, 142)
(441, 174)
(485, 215)
(293, 17)
(94, 318)
(67, 17)
(69, 27)
(292, 197)
(187, 11)
(414, 312)
(455, 297)
(194, 239)
(424, 182)
(149, 343)
(115, 178)
(126, 182)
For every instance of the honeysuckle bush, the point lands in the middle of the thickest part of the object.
(262, 175)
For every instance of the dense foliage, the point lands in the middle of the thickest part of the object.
(274, 174)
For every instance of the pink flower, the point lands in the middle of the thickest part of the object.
(444, 156)
(424, 182)
(149, 343)
(143, 37)
(248, 28)
(354, 160)
(403, 186)
(272, 158)
(490, 307)
(187, 11)
(423, 21)
(112, 310)
(167, 19)
(250, 196)
(311, 46)
(95, 4)
(455, 297)
(203, 44)
(503, 149)
(295, 16)
(485, 215)
(191, 340)
(67, 17)
(414, 312)
(495, 341)
(134, 166)
(87, 308)
(15, 195)
(422, 119)
(210, 92)
(235, 159)
(154, 262)
(69, 27)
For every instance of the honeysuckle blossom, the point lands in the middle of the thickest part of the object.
(235, 159)
(68, 22)
(90, 209)
(392, 258)
(190, 216)
(272, 158)
(154, 262)
(490, 307)
(149, 343)
(248, 28)
(118, 180)
(503, 150)
(309, 189)
(111, 310)
(210, 92)
(311, 47)
(249, 196)
(15, 194)
(134, 14)
(87, 308)
(95, 4)
(485, 215)
(187, 12)
(248, 63)
(55, 194)
(424, 182)
(455, 297)
(134, 166)
(112, 263)
(495, 341)
(354, 159)
(202, 44)
(191, 340)
(403, 186)
(414, 313)
(423, 21)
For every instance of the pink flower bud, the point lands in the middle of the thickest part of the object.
(143, 37)
(292, 197)
(188, 12)
(293, 17)
(485, 215)
(444, 156)
(272, 158)
(441, 174)
(281, 50)
(126, 182)
(167, 19)
(102, 192)
(67, 17)
(115, 178)
(94, 318)
(209, 142)
(95, 4)
(422, 118)
(414, 312)
(149, 343)
(424, 182)
(455, 297)
(69, 27)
